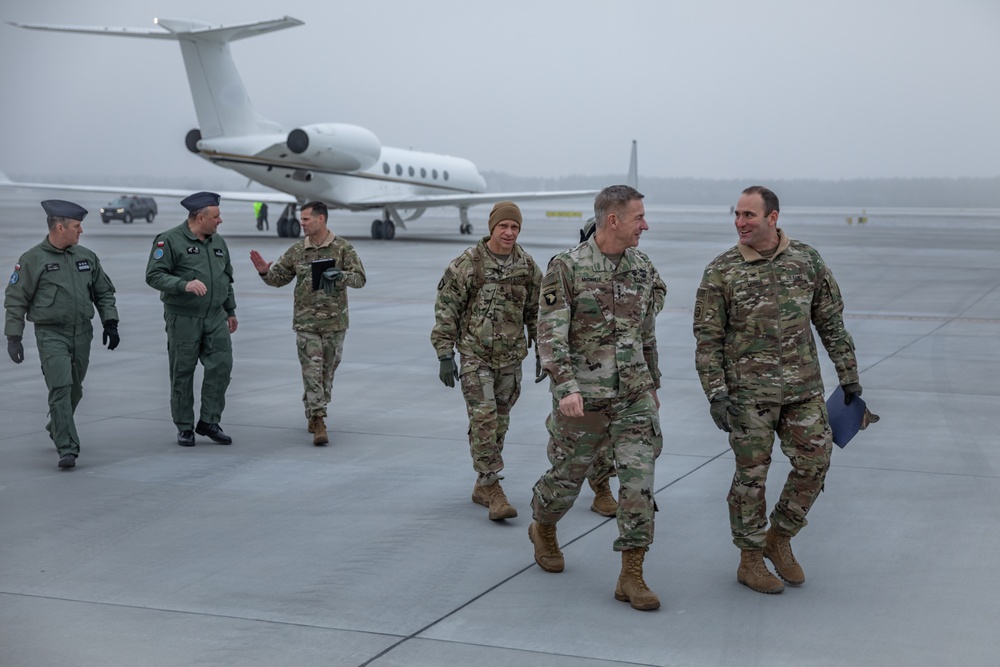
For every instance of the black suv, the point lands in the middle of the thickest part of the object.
(129, 208)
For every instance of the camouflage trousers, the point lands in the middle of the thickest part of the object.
(319, 355)
(625, 431)
(804, 431)
(65, 356)
(489, 395)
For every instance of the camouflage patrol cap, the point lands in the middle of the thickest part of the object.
(504, 210)
(588, 230)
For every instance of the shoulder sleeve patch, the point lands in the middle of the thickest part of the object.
(699, 303)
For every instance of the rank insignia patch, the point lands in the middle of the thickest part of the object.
(194, 250)
(219, 253)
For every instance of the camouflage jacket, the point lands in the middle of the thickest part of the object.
(178, 257)
(315, 310)
(483, 307)
(597, 323)
(57, 287)
(751, 325)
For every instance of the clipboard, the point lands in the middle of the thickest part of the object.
(845, 420)
(318, 267)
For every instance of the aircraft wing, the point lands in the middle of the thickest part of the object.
(237, 195)
(468, 199)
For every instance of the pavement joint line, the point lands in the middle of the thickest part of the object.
(188, 612)
(518, 573)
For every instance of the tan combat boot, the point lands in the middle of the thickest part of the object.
(631, 587)
(318, 429)
(495, 499)
(754, 573)
(604, 501)
(547, 553)
(778, 549)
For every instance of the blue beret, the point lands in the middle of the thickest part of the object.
(64, 209)
(200, 200)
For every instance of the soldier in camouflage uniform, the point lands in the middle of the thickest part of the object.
(603, 469)
(757, 361)
(320, 316)
(597, 340)
(191, 268)
(486, 299)
(56, 285)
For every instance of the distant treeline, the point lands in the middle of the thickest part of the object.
(860, 192)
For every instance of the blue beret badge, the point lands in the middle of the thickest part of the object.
(158, 253)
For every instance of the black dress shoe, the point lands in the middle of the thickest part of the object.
(185, 438)
(214, 432)
(68, 461)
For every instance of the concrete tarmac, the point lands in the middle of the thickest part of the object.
(370, 551)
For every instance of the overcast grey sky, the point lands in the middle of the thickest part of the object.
(713, 89)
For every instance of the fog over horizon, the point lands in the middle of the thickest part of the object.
(715, 90)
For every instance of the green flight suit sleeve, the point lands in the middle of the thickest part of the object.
(17, 298)
(160, 267)
(103, 292)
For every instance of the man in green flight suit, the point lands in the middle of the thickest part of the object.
(191, 267)
(56, 285)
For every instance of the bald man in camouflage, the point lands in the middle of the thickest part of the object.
(758, 365)
(486, 300)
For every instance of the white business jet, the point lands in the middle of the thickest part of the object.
(344, 166)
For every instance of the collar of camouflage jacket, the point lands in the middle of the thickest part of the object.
(751, 255)
(329, 239)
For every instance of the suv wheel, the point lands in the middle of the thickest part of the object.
(128, 218)
(149, 217)
(105, 220)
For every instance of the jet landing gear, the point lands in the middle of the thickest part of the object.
(288, 224)
(384, 229)
(466, 226)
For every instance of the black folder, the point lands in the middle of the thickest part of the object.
(318, 267)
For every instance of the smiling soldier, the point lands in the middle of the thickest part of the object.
(486, 299)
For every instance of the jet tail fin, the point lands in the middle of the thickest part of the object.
(220, 98)
(633, 168)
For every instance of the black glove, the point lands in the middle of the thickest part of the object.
(111, 337)
(449, 371)
(539, 375)
(851, 390)
(330, 279)
(726, 414)
(15, 349)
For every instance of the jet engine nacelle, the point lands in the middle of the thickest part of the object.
(335, 146)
